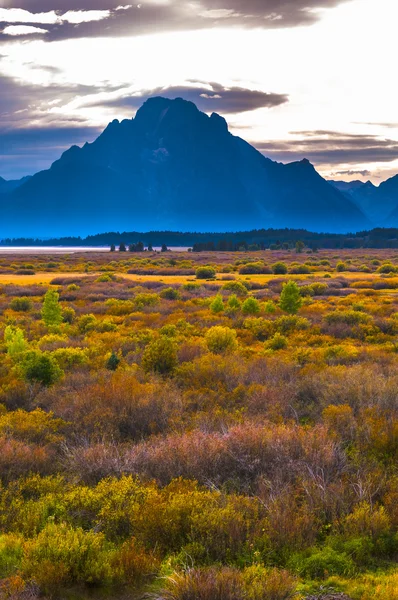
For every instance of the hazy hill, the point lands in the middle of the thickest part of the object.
(173, 167)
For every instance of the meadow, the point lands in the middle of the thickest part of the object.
(199, 426)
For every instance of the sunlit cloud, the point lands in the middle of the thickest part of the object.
(23, 30)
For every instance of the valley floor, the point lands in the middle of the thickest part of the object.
(199, 426)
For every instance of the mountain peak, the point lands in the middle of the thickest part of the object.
(174, 167)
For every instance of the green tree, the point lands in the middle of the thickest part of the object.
(300, 247)
(217, 305)
(113, 362)
(122, 247)
(51, 311)
(291, 299)
(15, 341)
(233, 302)
(113, 247)
(160, 356)
(251, 306)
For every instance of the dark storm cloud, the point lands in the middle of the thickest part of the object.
(216, 99)
(149, 16)
(329, 147)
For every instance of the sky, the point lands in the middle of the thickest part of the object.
(296, 78)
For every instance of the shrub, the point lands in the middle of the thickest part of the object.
(340, 267)
(105, 278)
(142, 300)
(251, 306)
(262, 329)
(86, 323)
(170, 294)
(254, 268)
(300, 270)
(160, 356)
(41, 367)
(220, 339)
(387, 268)
(61, 555)
(290, 323)
(277, 342)
(347, 317)
(11, 552)
(68, 314)
(236, 287)
(191, 286)
(205, 584)
(268, 584)
(279, 268)
(322, 563)
(21, 304)
(205, 273)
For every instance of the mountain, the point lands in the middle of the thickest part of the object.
(8, 186)
(173, 167)
(378, 203)
(389, 194)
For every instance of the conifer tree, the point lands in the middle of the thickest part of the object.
(291, 299)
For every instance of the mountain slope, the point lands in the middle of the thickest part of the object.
(378, 203)
(173, 167)
(9, 186)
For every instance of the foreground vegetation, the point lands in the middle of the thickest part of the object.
(213, 426)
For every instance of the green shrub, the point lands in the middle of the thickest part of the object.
(323, 563)
(205, 273)
(41, 367)
(262, 329)
(21, 304)
(277, 342)
(340, 267)
(236, 287)
(170, 294)
(279, 268)
(11, 552)
(251, 306)
(160, 356)
(61, 555)
(220, 339)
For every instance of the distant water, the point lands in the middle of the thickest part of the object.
(67, 249)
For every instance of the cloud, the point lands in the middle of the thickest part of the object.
(212, 97)
(23, 30)
(26, 151)
(349, 173)
(161, 15)
(332, 148)
(32, 136)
